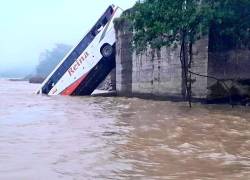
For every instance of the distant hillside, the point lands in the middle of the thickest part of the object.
(50, 58)
(47, 62)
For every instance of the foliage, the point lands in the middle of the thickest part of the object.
(230, 23)
(49, 59)
(163, 22)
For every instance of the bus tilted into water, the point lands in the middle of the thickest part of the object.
(88, 63)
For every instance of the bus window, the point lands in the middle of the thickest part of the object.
(84, 43)
(59, 74)
(94, 32)
(99, 28)
(111, 10)
(71, 58)
(104, 21)
(49, 86)
(96, 29)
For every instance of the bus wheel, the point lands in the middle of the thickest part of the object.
(106, 50)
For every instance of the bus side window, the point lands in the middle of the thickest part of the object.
(96, 30)
(99, 28)
(104, 21)
(58, 75)
(50, 86)
(111, 11)
(84, 43)
(93, 33)
(71, 59)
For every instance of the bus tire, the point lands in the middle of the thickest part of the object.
(107, 50)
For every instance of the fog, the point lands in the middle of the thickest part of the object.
(29, 27)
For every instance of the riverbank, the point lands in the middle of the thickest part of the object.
(16, 79)
(30, 78)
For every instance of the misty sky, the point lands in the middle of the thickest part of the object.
(28, 27)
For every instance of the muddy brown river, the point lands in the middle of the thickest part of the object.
(78, 138)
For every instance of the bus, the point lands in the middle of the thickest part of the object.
(88, 63)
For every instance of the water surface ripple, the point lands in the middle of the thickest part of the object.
(75, 138)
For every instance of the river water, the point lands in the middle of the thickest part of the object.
(76, 138)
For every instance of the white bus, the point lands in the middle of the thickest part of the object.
(88, 63)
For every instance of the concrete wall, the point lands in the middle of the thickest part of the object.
(230, 64)
(200, 66)
(124, 61)
(158, 73)
(226, 65)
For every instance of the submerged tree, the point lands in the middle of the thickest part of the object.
(158, 23)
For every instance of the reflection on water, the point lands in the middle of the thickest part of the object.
(75, 138)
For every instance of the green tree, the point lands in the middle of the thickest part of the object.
(230, 22)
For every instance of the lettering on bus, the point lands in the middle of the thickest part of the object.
(78, 63)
